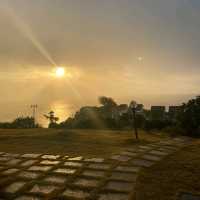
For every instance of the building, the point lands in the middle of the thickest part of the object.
(122, 109)
(157, 112)
(173, 112)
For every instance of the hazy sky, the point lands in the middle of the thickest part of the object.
(147, 50)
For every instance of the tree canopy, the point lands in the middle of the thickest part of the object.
(189, 116)
(107, 101)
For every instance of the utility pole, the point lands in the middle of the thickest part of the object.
(34, 108)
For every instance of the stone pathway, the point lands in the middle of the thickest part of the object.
(55, 177)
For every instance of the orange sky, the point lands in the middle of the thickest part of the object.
(123, 49)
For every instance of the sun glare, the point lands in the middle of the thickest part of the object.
(60, 72)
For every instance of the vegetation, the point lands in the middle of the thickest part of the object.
(184, 119)
(52, 119)
(20, 122)
(189, 117)
(109, 115)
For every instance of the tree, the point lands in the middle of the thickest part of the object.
(109, 108)
(20, 123)
(24, 122)
(107, 102)
(52, 119)
(135, 109)
(189, 116)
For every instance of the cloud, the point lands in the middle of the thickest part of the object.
(100, 42)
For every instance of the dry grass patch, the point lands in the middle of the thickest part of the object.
(177, 173)
(89, 143)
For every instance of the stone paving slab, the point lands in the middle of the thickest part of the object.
(165, 150)
(40, 168)
(158, 153)
(131, 154)
(119, 186)
(31, 155)
(124, 168)
(73, 164)
(99, 166)
(29, 175)
(28, 163)
(94, 173)
(36, 176)
(10, 171)
(13, 162)
(43, 189)
(142, 163)
(122, 158)
(53, 157)
(145, 147)
(65, 171)
(14, 187)
(3, 159)
(123, 176)
(152, 157)
(55, 179)
(113, 196)
(49, 162)
(76, 193)
(76, 158)
(133, 149)
(83, 182)
(12, 155)
(95, 160)
(28, 198)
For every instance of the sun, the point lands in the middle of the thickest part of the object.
(60, 72)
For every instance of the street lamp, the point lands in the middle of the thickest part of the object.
(133, 107)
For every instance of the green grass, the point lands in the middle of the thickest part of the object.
(88, 143)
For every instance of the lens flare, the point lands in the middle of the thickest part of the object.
(60, 72)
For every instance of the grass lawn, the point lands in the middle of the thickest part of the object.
(178, 173)
(88, 143)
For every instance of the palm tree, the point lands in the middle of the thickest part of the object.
(52, 119)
